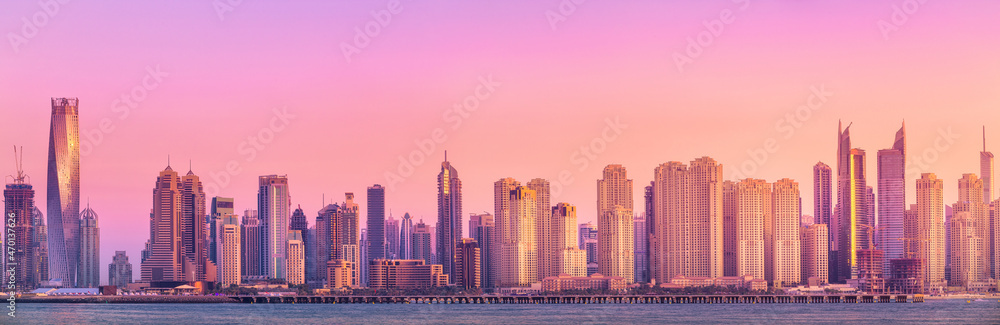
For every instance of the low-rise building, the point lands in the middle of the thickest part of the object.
(405, 274)
(595, 281)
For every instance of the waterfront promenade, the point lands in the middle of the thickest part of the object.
(564, 299)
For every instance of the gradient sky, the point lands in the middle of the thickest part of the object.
(938, 70)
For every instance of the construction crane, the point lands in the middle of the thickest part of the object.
(871, 231)
(19, 163)
(909, 253)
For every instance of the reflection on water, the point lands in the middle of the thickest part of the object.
(934, 311)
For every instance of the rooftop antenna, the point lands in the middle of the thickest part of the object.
(446, 156)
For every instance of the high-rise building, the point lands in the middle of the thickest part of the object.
(570, 259)
(966, 249)
(405, 236)
(650, 231)
(639, 246)
(753, 201)
(853, 208)
(63, 191)
(120, 270)
(668, 208)
(220, 207)
(90, 250)
(298, 222)
(786, 246)
(230, 251)
(296, 262)
(421, 242)
(930, 244)
(614, 208)
(518, 253)
(274, 204)
(468, 271)
(20, 254)
(892, 199)
(815, 248)
(970, 199)
(176, 248)
(489, 249)
(392, 237)
(364, 246)
(730, 229)
(350, 236)
(616, 244)
(701, 253)
(986, 171)
(329, 245)
(449, 217)
(822, 195)
(544, 248)
(505, 227)
(376, 223)
(250, 255)
(40, 259)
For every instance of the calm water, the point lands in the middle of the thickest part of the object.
(934, 311)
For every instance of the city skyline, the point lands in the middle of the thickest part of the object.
(619, 105)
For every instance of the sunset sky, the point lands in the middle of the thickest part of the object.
(557, 79)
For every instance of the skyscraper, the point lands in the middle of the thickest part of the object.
(192, 227)
(753, 201)
(993, 239)
(220, 207)
(543, 229)
(641, 256)
(376, 223)
(392, 238)
(230, 251)
(892, 199)
(422, 242)
(986, 171)
(730, 229)
(63, 192)
(614, 208)
(40, 259)
(489, 249)
(467, 268)
(90, 250)
(702, 227)
(822, 195)
(570, 259)
(406, 237)
(364, 249)
(120, 270)
(329, 239)
(296, 262)
(19, 205)
(650, 231)
(787, 250)
(350, 236)
(815, 248)
(930, 244)
(298, 222)
(853, 207)
(519, 257)
(250, 249)
(162, 258)
(449, 218)
(970, 199)
(274, 205)
(669, 204)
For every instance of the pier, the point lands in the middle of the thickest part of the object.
(635, 299)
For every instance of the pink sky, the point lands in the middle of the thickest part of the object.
(939, 70)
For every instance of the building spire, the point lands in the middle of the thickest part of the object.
(984, 138)
(446, 153)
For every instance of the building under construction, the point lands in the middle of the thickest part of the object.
(870, 278)
(907, 275)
